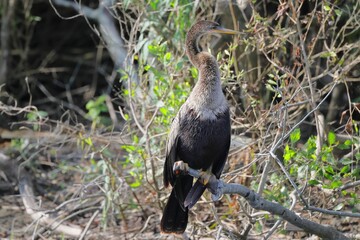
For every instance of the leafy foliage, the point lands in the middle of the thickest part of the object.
(324, 168)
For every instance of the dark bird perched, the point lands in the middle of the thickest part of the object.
(199, 134)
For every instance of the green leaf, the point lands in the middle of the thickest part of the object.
(271, 75)
(313, 182)
(164, 111)
(167, 56)
(269, 87)
(147, 67)
(288, 154)
(93, 161)
(179, 65)
(346, 161)
(295, 135)
(88, 141)
(335, 184)
(272, 82)
(328, 176)
(345, 169)
(345, 145)
(330, 170)
(101, 99)
(327, 8)
(90, 104)
(135, 139)
(128, 148)
(331, 138)
(356, 172)
(339, 207)
(338, 12)
(42, 114)
(328, 54)
(135, 184)
(194, 72)
(36, 115)
(35, 18)
(357, 156)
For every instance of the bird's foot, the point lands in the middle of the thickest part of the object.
(205, 177)
(180, 167)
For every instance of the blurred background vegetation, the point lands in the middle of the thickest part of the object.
(88, 90)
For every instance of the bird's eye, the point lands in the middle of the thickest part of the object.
(216, 25)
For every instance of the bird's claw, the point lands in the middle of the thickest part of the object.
(204, 177)
(180, 167)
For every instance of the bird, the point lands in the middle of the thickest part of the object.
(199, 133)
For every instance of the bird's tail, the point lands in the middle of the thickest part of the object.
(174, 219)
(194, 195)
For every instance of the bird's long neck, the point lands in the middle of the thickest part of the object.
(206, 98)
(208, 84)
(209, 73)
(192, 46)
(203, 61)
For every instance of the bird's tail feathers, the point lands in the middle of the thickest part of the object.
(174, 219)
(194, 195)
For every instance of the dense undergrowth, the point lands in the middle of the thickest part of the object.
(291, 80)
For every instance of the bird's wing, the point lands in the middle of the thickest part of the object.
(171, 151)
(219, 163)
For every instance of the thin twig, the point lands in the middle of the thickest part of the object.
(82, 236)
(308, 75)
(278, 222)
(273, 149)
(349, 185)
(332, 212)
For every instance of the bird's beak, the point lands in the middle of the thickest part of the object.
(224, 31)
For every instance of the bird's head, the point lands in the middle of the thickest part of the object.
(194, 34)
(207, 27)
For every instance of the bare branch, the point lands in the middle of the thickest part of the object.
(332, 212)
(108, 33)
(349, 185)
(27, 194)
(217, 187)
(312, 91)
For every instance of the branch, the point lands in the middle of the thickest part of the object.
(217, 187)
(32, 208)
(349, 185)
(61, 133)
(333, 212)
(108, 33)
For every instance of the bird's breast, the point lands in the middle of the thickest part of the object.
(202, 140)
(207, 105)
